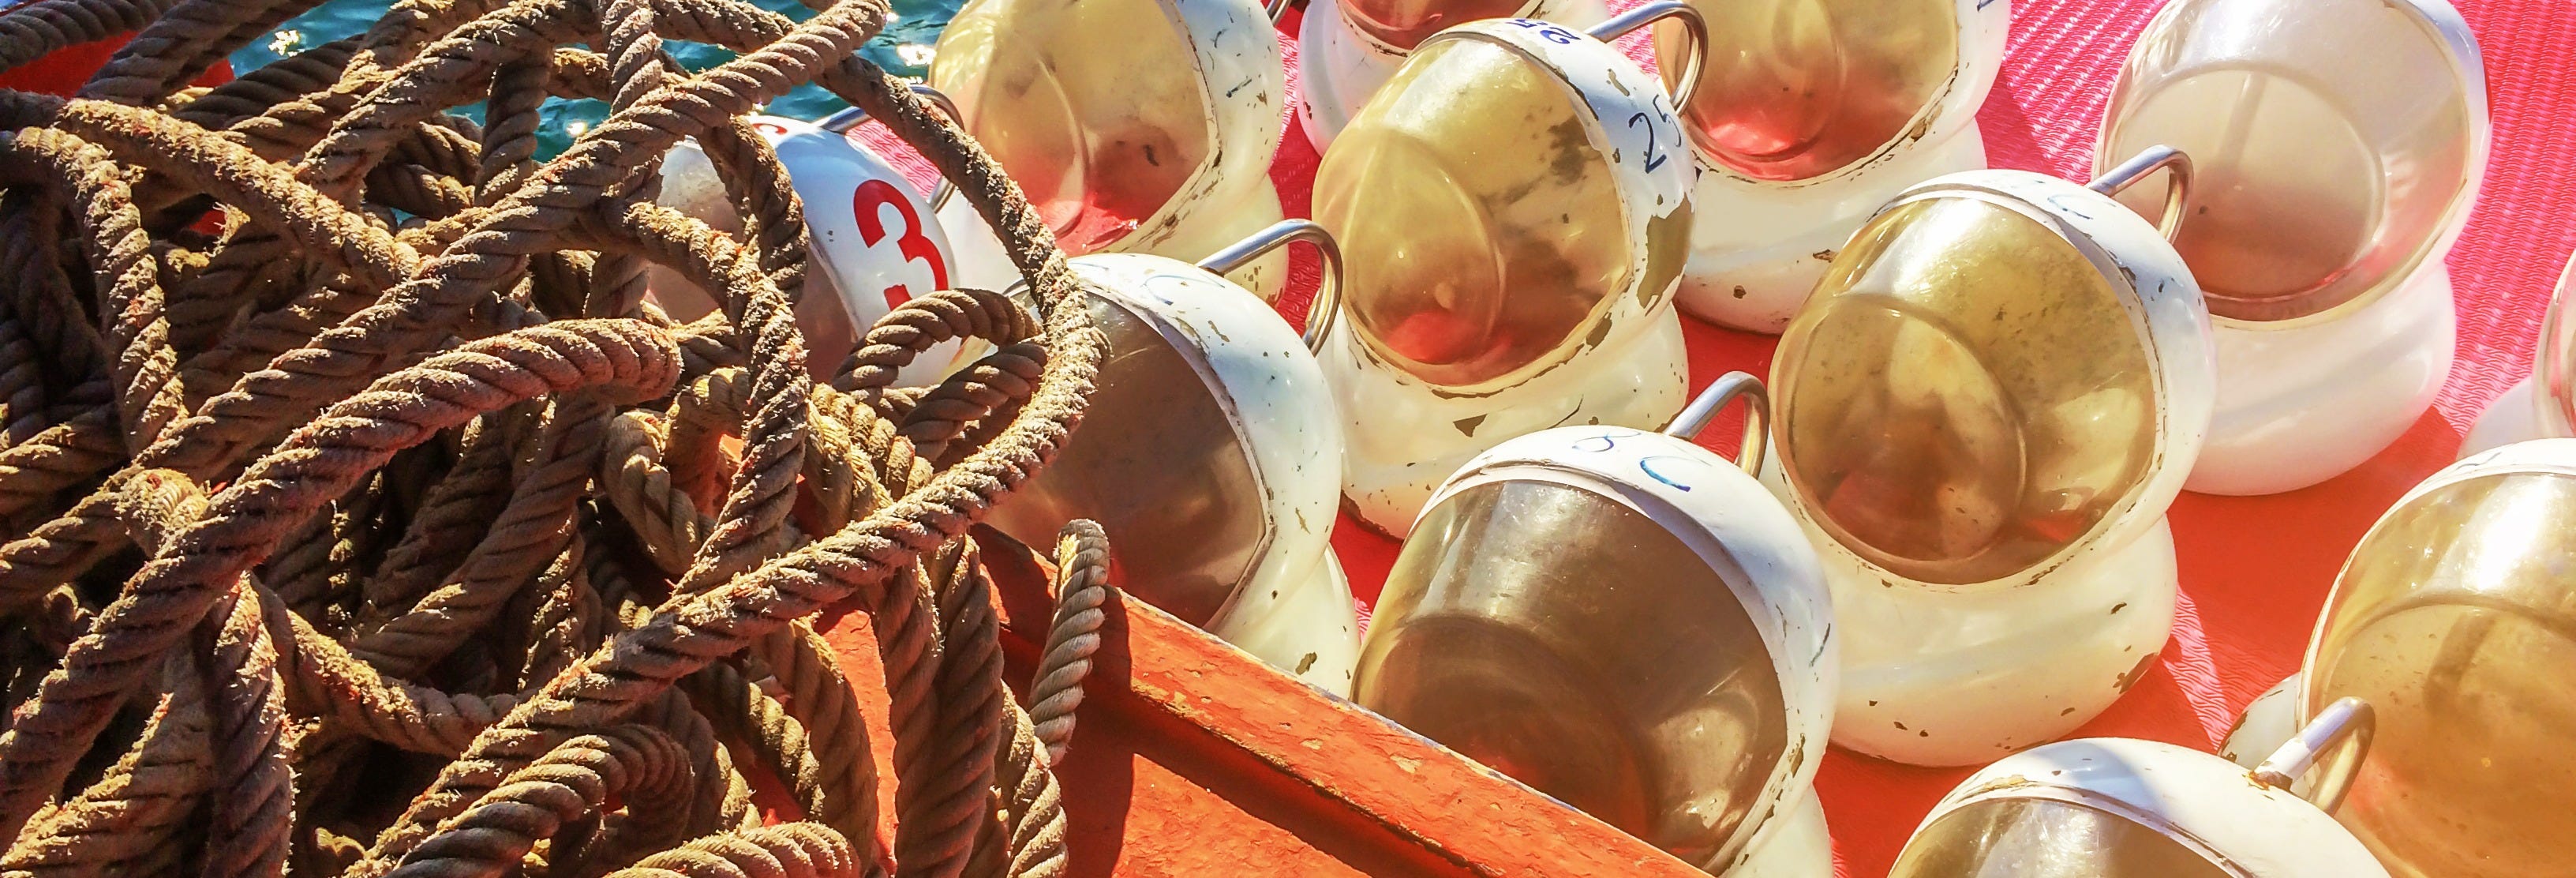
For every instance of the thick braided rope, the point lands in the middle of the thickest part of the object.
(22, 383)
(568, 608)
(510, 140)
(180, 44)
(281, 81)
(332, 362)
(788, 850)
(636, 65)
(784, 746)
(31, 30)
(1081, 587)
(134, 327)
(41, 293)
(325, 681)
(421, 173)
(818, 695)
(926, 321)
(860, 462)
(60, 456)
(531, 531)
(317, 462)
(940, 801)
(449, 521)
(253, 788)
(147, 795)
(639, 765)
(996, 384)
(1031, 804)
(750, 523)
(859, 561)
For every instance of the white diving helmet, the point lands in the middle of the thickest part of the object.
(1629, 623)
(1513, 209)
(2455, 620)
(1134, 126)
(2339, 145)
(1809, 115)
(1347, 49)
(1982, 415)
(2125, 808)
(1211, 456)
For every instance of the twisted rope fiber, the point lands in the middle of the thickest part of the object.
(317, 462)
(253, 782)
(788, 850)
(520, 225)
(639, 765)
(1081, 587)
(369, 358)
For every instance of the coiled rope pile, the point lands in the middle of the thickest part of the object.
(380, 524)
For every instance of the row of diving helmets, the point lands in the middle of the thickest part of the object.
(1972, 454)
(2340, 145)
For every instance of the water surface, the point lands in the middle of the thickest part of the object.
(903, 48)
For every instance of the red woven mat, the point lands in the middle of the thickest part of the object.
(2255, 570)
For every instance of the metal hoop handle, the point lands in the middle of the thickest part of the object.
(2339, 736)
(1619, 26)
(1276, 8)
(1757, 416)
(851, 118)
(2144, 163)
(1327, 307)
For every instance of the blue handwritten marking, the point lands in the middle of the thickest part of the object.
(1546, 31)
(1648, 465)
(1654, 146)
(1155, 282)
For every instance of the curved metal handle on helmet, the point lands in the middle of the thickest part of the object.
(852, 117)
(2144, 163)
(1619, 26)
(1757, 416)
(2340, 736)
(1327, 306)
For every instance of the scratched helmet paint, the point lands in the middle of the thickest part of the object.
(875, 243)
(1809, 115)
(1629, 623)
(1513, 208)
(1347, 49)
(1211, 457)
(1160, 146)
(2453, 619)
(1983, 413)
(2339, 145)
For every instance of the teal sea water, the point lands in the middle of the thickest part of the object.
(903, 48)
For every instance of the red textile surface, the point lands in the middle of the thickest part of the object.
(2255, 570)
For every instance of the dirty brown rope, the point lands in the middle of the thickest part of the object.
(395, 434)
(1081, 587)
